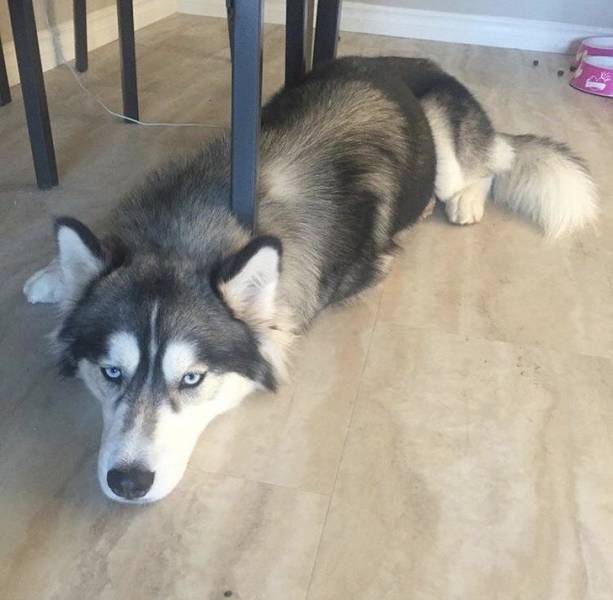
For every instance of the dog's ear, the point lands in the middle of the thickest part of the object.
(247, 281)
(80, 255)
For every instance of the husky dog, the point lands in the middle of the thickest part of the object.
(180, 313)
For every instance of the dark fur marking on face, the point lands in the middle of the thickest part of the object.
(189, 309)
(119, 399)
(66, 364)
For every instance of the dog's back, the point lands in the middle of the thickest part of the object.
(346, 161)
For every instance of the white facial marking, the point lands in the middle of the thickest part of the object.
(167, 450)
(123, 351)
(178, 358)
(153, 341)
(161, 437)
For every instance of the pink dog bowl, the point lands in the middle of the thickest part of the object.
(594, 75)
(595, 46)
(602, 46)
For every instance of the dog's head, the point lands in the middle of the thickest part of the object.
(165, 344)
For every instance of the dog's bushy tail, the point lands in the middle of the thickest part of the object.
(544, 181)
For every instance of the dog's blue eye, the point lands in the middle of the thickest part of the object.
(112, 373)
(190, 380)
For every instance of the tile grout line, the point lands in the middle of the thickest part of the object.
(350, 421)
(494, 340)
(269, 484)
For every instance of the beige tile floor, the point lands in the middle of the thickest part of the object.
(447, 437)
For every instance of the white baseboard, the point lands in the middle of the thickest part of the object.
(101, 29)
(502, 32)
(274, 10)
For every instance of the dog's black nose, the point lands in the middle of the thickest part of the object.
(131, 482)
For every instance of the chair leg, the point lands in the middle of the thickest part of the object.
(296, 53)
(79, 11)
(129, 88)
(246, 101)
(309, 34)
(230, 13)
(326, 30)
(33, 91)
(5, 90)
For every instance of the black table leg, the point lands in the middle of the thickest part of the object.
(79, 10)
(246, 100)
(33, 91)
(230, 13)
(296, 53)
(125, 19)
(308, 36)
(326, 30)
(5, 90)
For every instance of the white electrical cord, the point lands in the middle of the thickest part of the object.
(61, 59)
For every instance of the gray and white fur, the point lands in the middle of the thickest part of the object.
(180, 312)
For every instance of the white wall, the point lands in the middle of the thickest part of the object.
(525, 24)
(579, 12)
(101, 27)
(61, 8)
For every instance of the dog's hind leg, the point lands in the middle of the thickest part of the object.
(46, 285)
(463, 179)
(465, 144)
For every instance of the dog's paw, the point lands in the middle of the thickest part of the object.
(45, 286)
(466, 207)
